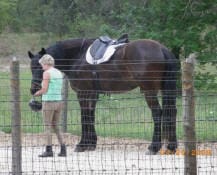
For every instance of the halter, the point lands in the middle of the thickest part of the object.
(36, 83)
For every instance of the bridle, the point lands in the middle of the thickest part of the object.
(36, 83)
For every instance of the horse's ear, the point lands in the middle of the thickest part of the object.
(30, 55)
(43, 51)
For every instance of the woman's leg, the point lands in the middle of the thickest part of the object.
(56, 118)
(55, 122)
(47, 111)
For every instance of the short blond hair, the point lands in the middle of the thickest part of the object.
(47, 60)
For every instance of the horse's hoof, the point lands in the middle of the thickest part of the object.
(79, 149)
(84, 148)
(154, 148)
(91, 148)
(170, 152)
(149, 152)
(172, 147)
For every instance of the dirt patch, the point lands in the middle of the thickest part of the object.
(112, 156)
(39, 139)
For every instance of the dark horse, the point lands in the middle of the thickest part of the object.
(144, 63)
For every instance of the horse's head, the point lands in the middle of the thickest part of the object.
(36, 70)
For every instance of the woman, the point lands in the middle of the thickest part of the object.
(51, 103)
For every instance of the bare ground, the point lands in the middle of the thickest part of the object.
(112, 156)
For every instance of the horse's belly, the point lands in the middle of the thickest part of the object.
(118, 86)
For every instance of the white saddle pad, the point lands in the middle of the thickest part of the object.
(106, 57)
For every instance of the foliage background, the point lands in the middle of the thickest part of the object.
(185, 26)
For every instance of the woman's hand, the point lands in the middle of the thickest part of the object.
(38, 93)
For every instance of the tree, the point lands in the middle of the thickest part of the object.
(6, 8)
(182, 25)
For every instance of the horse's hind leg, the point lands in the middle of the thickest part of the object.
(169, 119)
(152, 101)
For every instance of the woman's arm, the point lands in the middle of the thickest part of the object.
(45, 84)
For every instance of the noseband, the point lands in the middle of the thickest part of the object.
(36, 84)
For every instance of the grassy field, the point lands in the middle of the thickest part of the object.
(12, 44)
(121, 116)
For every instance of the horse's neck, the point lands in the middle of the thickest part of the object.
(72, 53)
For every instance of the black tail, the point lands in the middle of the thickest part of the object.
(169, 92)
(171, 71)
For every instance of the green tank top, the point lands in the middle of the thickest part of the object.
(54, 92)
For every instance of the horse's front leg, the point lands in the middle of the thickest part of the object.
(88, 140)
(154, 105)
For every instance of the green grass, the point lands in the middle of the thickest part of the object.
(205, 76)
(122, 115)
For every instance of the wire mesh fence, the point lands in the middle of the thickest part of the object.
(124, 126)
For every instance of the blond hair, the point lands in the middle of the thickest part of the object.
(47, 60)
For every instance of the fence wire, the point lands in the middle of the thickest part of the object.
(124, 127)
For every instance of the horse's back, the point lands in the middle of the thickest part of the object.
(137, 63)
(145, 63)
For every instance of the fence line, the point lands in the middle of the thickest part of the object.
(189, 116)
(190, 160)
(16, 119)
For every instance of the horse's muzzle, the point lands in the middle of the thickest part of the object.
(34, 88)
(33, 91)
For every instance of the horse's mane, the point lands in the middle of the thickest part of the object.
(75, 42)
(56, 50)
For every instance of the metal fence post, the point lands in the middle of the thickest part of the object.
(16, 119)
(190, 160)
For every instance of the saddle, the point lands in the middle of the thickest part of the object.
(100, 46)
